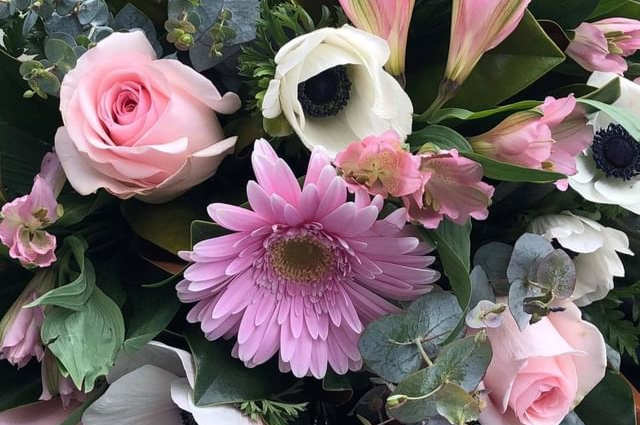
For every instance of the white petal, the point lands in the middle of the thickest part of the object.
(593, 280)
(271, 102)
(618, 190)
(586, 169)
(324, 57)
(142, 397)
(174, 360)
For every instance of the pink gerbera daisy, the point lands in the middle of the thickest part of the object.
(304, 270)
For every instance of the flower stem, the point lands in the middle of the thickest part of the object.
(446, 91)
(426, 358)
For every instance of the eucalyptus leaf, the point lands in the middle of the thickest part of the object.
(130, 17)
(480, 287)
(557, 272)
(498, 170)
(389, 345)
(87, 11)
(60, 54)
(423, 383)
(572, 419)
(455, 404)
(29, 21)
(441, 136)
(465, 361)
(494, 259)
(245, 14)
(63, 24)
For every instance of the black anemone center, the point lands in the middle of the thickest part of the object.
(187, 418)
(616, 152)
(325, 94)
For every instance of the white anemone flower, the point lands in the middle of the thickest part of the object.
(154, 386)
(331, 88)
(609, 171)
(597, 247)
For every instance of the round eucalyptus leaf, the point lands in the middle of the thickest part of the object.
(87, 11)
(61, 54)
(48, 82)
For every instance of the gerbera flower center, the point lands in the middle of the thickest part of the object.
(325, 94)
(616, 152)
(187, 418)
(301, 259)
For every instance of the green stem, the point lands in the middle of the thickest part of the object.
(427, 360)
(446, 91)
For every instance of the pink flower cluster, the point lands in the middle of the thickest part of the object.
(548, 137)
(433, 185)
(24, 219)
(603, 45)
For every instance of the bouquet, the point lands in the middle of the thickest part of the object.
(272, 212)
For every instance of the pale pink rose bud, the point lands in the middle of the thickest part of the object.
(603, 45)
(24, 219)
(137, 125)
(388, 19)
(537, 376)
(548, 137)
(381, 166)
(452, 188)
(56, 385)
(20, 326)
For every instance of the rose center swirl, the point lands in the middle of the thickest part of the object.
(301, 259)
(616, 152)
(325, 94)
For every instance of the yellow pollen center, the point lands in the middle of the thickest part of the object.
(301, 259)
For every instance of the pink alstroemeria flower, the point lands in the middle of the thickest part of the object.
(452, 189)
(24, 219)
(20, 326)
(56, 385)
(603, 45)
(380, 166)
(388, 19)
(476, 27)
(548, 137)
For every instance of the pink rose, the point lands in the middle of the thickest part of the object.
(137, 125)
(537, 376)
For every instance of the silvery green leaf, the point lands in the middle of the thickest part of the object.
(103, 16)
(208, 13)
(455, 404)
(200, 54)
(79, 51)
(557, 272)
(64, 7)
(177, 7)
(480, 287)
(87, 11)
(63, 24)
(245, 14)
(71, 41)
(101, 33)
(529, 248)
(61, 54)
(494, 258)
(22, 4)
(5, 10)
(130, 17)
(29, 21)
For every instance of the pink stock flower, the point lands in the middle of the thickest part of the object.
(476, 27)
(603, 45)
(24, 218)
(381, 166)
(304, 269)
(549, 137)
(452, 188)
(388, 19)
(20, 326)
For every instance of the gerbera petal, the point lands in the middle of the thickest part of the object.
(235, 218)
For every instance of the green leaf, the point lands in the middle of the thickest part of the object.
(148, 318)
(616, 8)
(60, 54)
(612, 394)
(222, 379)
(71, 295)
(557, 272)
(463, 362)
(453, 245)
(78, 207)
(455, 404)
(389, 345)
(525, 56)
(494, 259)
(202, 230)
(568, 13)
(498, 170)
(20, 157)
(459, 114)
(608, 93)
(622, 116)
(528, 250)
(480, 287)
(441, 136)
(619, 332)
(85, 342)
(165, 225)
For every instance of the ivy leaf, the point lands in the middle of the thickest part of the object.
(389, 345)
